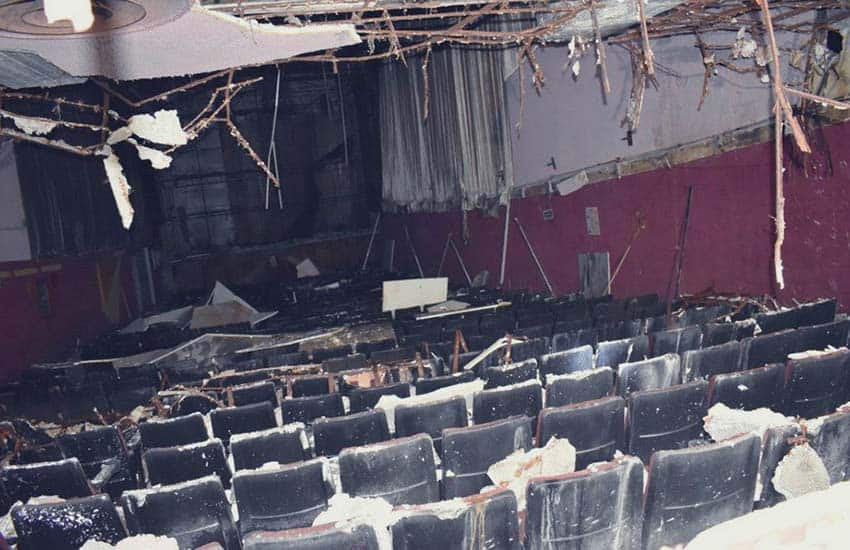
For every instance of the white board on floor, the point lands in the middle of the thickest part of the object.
(408, 293)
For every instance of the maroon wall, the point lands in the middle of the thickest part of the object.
(730, 236)
(76, 307)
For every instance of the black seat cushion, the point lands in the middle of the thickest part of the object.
(63, 478)
(567, 361)
(98, 448)
(282, 445)
(775, 321)
(572, 339)
(666, 418)
(649, 374)
(258, 496)
(818, 313)
(258, 392)
(767, 349)
(469, 452)
(705, 363)
(817, 384)
(595, 428)
(715, 334)
(514, 373)
(580, 386)
(602, 508)
(431, 418)
(307, 409)
(427, 385)
(236, 420)
(676, 340)
(690, 490)
(524, 398)
(819, 337)
(482, 521)
(305, 386)
(331, 435)
(320, 354)
(171, 432)
(748, 389)
(323, 537)
(362, 399)
(401, 471)
(349, 362)
(67, 525)
(194, 513)
(169, 465)
(614, 352)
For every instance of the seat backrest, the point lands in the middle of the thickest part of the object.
(513, 373)
(488, 520)
(595, 428)
(322, 537)
(169, 465)
(767, 349)
(172, 432)
(349, 362)
(427, 385)
(690, 490)
(748, 389)
(567, 361)
(572, 339)
(307, 409)
(320, 354)
(831, 440)
(677, 340)
(666, 418)
(392, 355)
(282, 445)
(401, 471)
(94, 447)
(236, 420)
(193, 403)
(599, 508)
(614, 352)
(331, 435)
(818, 313)
(258, 392)
(258, 496)
(305, 386)
(715, 334)
(775, 321)
(469, 452)
(67, 525)
(776, 442)
(705, 363)
(820, 337)
(529, 349)
(649, 374)
(362, 399)
(816, 384)
(193, 513)
(523, 398)
(63, 478)
(431, 418)
(578, 387)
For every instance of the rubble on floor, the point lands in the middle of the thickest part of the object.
(722, 422)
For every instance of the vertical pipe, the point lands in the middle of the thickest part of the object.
(371, 240)
(413, 250)
(534, 257)
(505, 239)
(460, 260)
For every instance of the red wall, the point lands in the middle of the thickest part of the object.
(730, 237)
(76, 310)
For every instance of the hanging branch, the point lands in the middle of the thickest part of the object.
(162, 96)
(648, 56)
(395, 43)
(427, 101)
(600, 50)
(240, 139)
(538, 77)
(54, 143)
(709, 63)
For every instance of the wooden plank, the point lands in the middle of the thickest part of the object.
(594, 273)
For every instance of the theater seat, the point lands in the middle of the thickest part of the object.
(171, 432)
(331, 435)
(678, 340)
(236, 420)
(62, 478)
(305, 386)
(567, 361)
(690, 490)
(580, 386)
(307, 409)
(103, 456)
(193, 403)
(831, 440)
(748, 389)
(171, 465)
(705, 363)
(505, 375)
(469, 452)
(767, 349)
(776, 442)
(362, 399)
(67, 525)
(715, 334)
(194, 513)
(431, 418)
(595, 428)
(258, 392)
(488, 520)
(258, 496)
(401, 471)
(281, 445)
(323, 537)
(819, 337)
(816, 384)
(427, 385)
(648, 374)
(523, 398)
(614, 352)
(599, 508)
(349, 362)
(666, 418)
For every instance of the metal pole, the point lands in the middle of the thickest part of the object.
(505, 240)
(413, 250)
(534, 256)
(443, 258)
(460, 260)
(371, 240)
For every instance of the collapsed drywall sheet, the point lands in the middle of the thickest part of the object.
(161, 127)
(120, 187)
(306, 268)
(115, 48)
(78, 12)
(722, 422)
(801, 472)
(409, 293)
(179, 317)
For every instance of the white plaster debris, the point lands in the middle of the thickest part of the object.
(467, 390)
(121, 134)
(139, 542)
(578, 375)
(78, 12)
(33, 126)
(347, 512)
(819, 520)
(444, 509)
(163, 127)
(801, 472)
(141, 495)
(813, 353)
(743, 387)
(514, 471)
(158, 159)
(722, 422)
(306, 268)
(291, 428)
(120, 187)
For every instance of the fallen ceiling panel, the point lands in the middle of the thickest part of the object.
(139, 39)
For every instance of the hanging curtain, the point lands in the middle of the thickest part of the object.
(459, 157)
